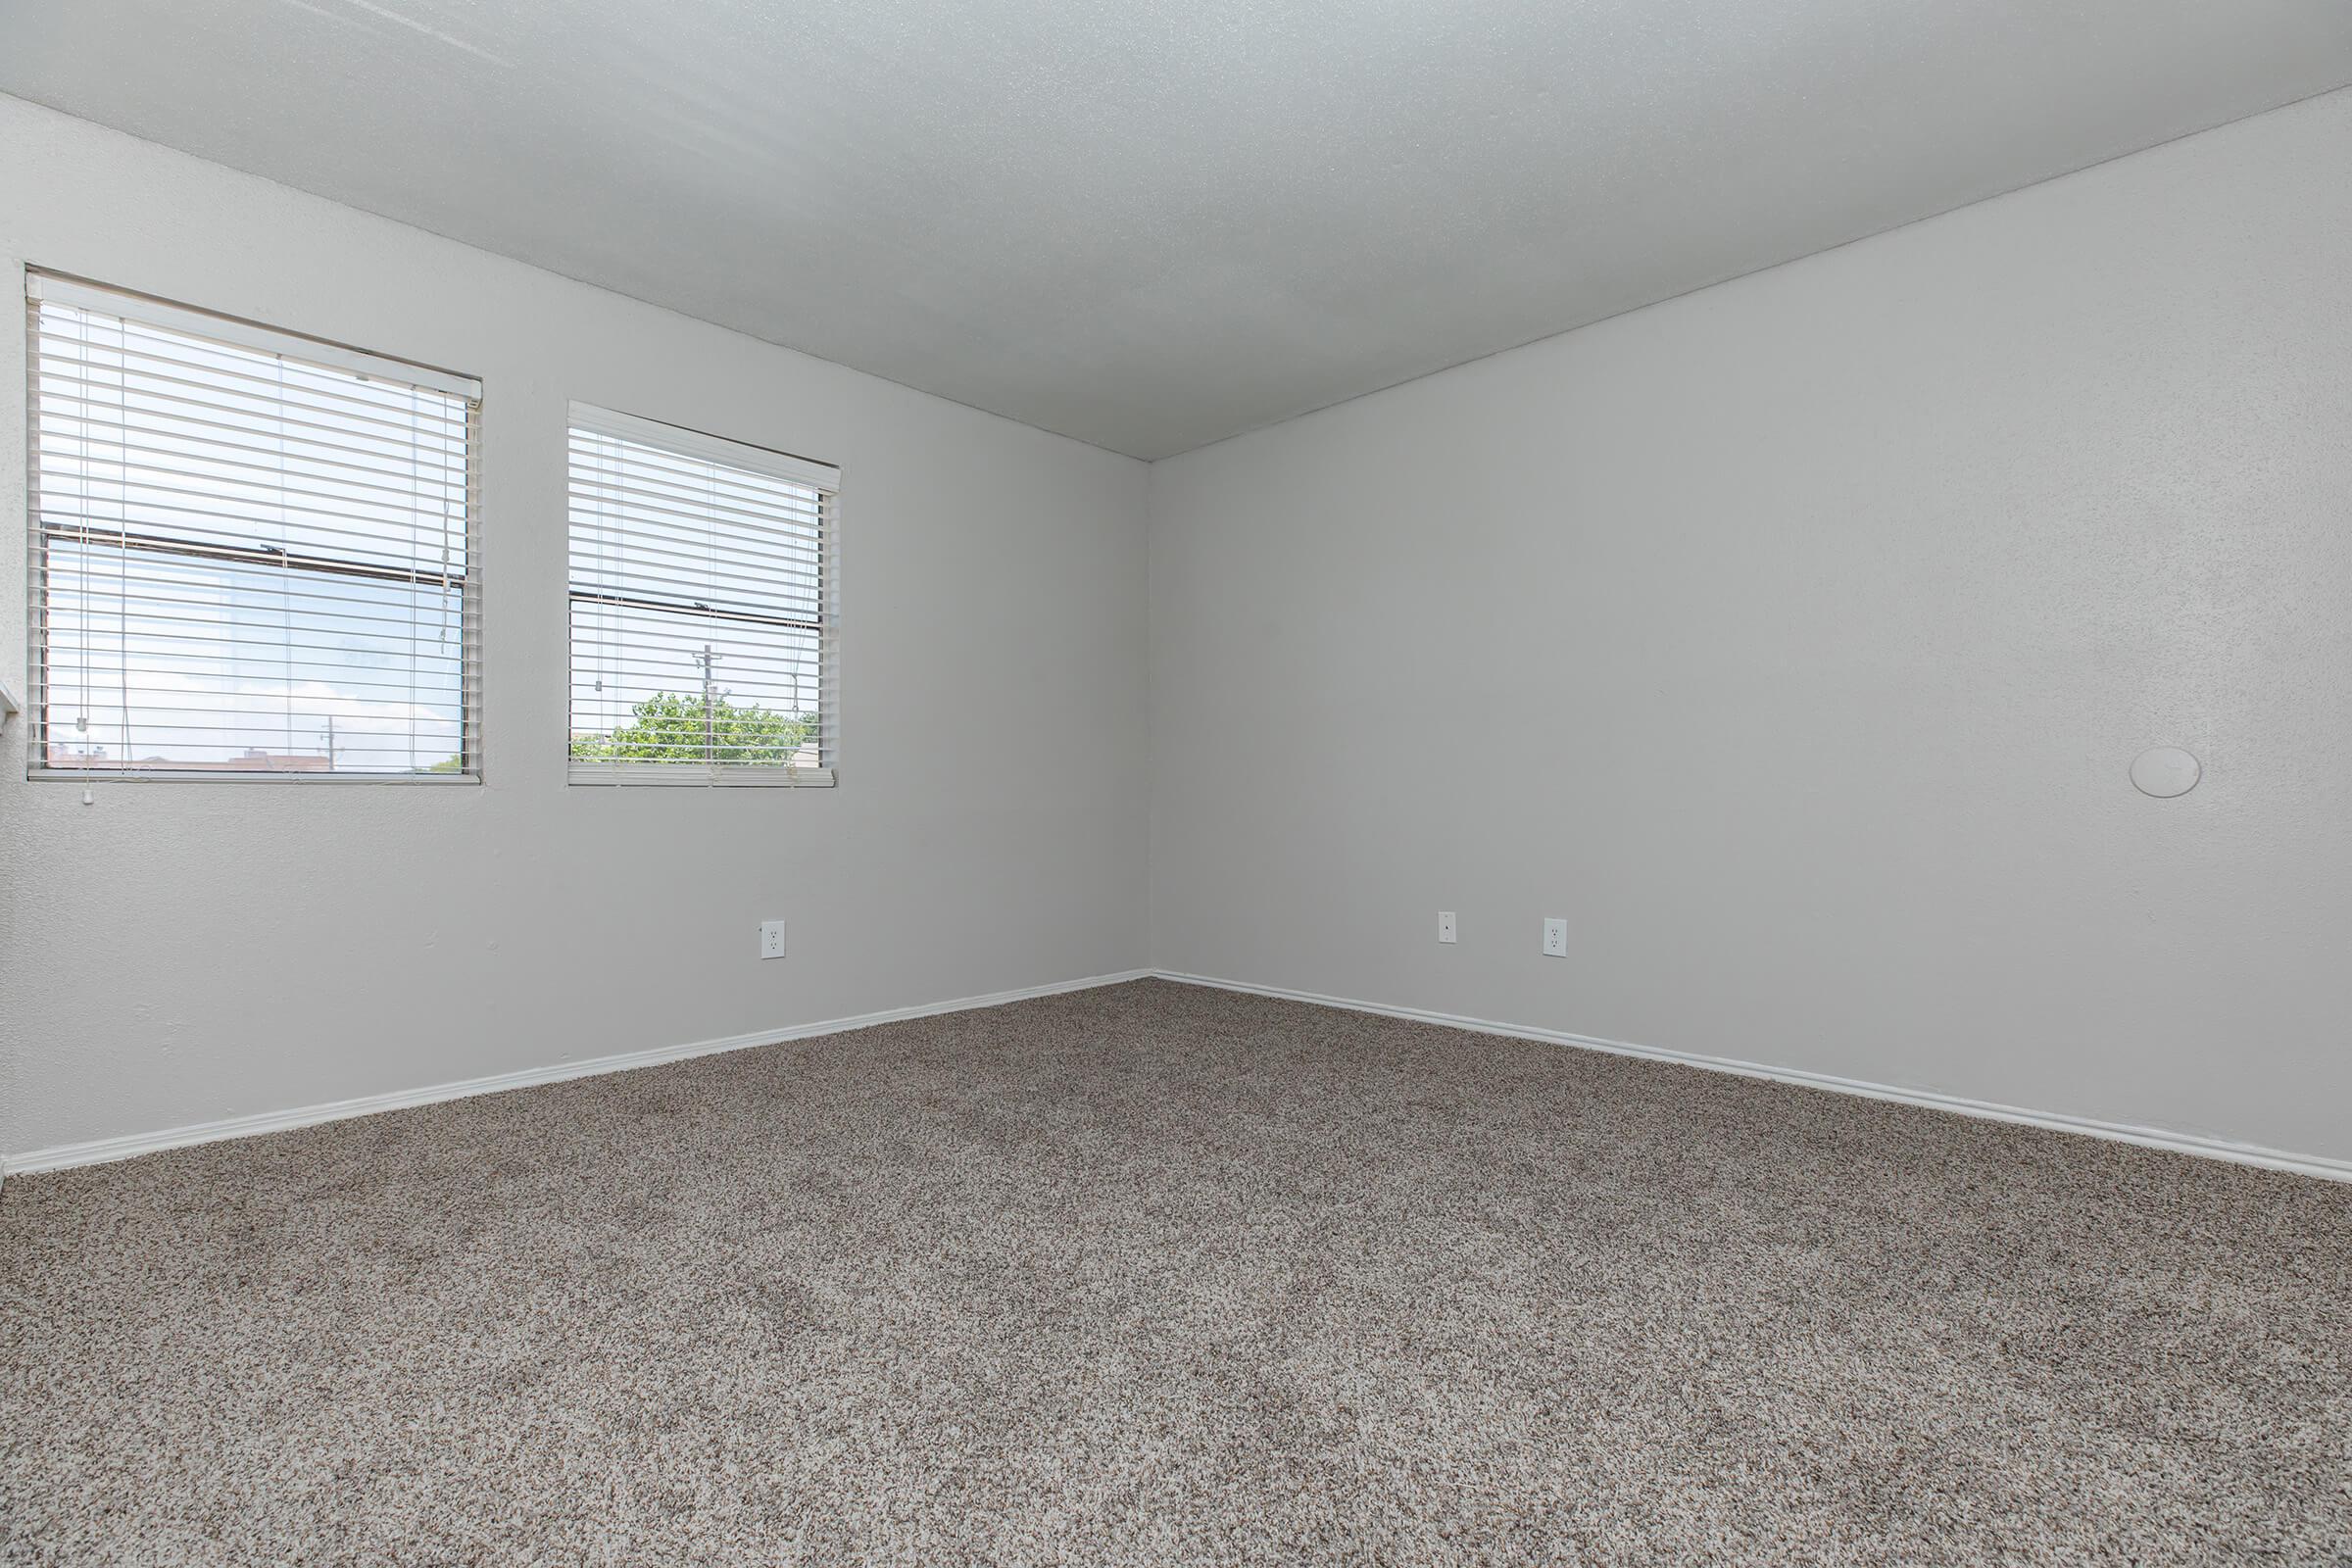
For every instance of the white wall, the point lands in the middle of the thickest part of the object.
(1793, 639)
(178, 953)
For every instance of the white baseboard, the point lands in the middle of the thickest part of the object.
(2339, 1170)
(103, 1149)
(100, 1150)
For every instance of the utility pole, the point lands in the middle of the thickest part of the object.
(707, 659)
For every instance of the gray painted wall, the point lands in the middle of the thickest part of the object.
(1793, 639)
(178, 953)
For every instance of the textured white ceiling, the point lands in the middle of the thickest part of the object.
(1153, 226)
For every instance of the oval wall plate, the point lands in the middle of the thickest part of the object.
(2165, 771)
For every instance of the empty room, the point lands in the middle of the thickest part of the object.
(1048, 783)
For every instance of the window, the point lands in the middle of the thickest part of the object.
(703, 630)
(251, 553)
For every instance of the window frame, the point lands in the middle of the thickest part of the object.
(770, 462)
(43, 285)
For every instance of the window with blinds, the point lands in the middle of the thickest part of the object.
(703, 592)
(252, 553)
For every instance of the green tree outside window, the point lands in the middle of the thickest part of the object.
(671, 727)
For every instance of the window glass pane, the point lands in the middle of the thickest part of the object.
(648, 524)
(659, 686)
(698, 610)
(160, 662)
(143, 430)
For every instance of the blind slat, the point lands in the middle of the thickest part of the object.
(134, 404)
(596, 475)
(117, 386)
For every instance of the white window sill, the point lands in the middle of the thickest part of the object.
(165, 775)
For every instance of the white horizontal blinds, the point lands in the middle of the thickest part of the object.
(703, 632)
(252, 553)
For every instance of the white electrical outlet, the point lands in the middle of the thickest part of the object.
(1555, 937)
(771, 939)
(1445, 925)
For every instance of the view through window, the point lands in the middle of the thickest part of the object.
(701, 631)
(251, 551)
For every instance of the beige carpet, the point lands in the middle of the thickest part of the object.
(1161, 1275)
